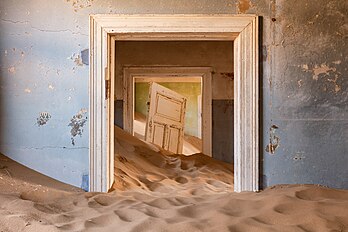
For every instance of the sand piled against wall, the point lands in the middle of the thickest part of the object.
(160, 192)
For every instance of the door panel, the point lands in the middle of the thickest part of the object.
(158, 134)
(168, 108)
(174, 137)
(165, 120)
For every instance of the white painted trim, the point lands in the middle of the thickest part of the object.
(246, 109)
(176, 79)
(174, 27)
(167, 73)
(111, 105)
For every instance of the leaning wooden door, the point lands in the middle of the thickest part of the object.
(165, 120)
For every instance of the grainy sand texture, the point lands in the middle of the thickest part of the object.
(157, 191)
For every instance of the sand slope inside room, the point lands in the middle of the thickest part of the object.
(155, 191)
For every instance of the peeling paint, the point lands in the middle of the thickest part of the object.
(51, 87)
(12, 69)
(337, 88)
(80, 4)
(299, 82)
(43, 118)
(77, 59)
(273, 140)
(322, 69)
(243, 6)
(77, 123)
(305, 67)
(27, 90)
(81, 58)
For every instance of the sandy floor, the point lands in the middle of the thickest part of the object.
(157, 192)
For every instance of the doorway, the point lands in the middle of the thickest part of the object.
(242, 29)
(176, 78)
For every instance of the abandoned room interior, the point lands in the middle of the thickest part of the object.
(181, 115)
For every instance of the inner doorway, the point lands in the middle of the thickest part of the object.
(166, 113)
(192, 82)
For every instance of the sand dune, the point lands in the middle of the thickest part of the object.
(143, 166)
(155, 191)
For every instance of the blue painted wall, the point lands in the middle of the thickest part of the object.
(44, 83)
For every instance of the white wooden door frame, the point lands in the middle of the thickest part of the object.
(130, 73)
(243, 29)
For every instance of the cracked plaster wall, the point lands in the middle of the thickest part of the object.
(303, 83)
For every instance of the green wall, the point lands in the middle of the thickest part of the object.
(190, 90)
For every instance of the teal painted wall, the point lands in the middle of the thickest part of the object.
(189, 90)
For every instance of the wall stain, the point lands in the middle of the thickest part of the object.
(81, 58)
(243, 6)
(12, 69)
(77, 59)
(273, 140)
(317, 70)
(85, 56)
(299, 156)
(300, 83)
(77, 122)
(337, 62)
(80, 4)
(323, 70)
(227, 75)
(273, 6)
(337, 88)
(43, 118)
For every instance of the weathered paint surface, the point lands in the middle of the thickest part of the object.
(215, 54)
(304, 82)
(305, 93)
(273, 140)
(118, 113)
(243, 6)
(223, 130)
(77, 122)
(43, 118)
(43, 86)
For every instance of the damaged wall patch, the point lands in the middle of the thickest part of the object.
(77, 123)
(273, 140)
(43, 118)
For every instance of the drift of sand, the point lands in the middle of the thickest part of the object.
(156, 191)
